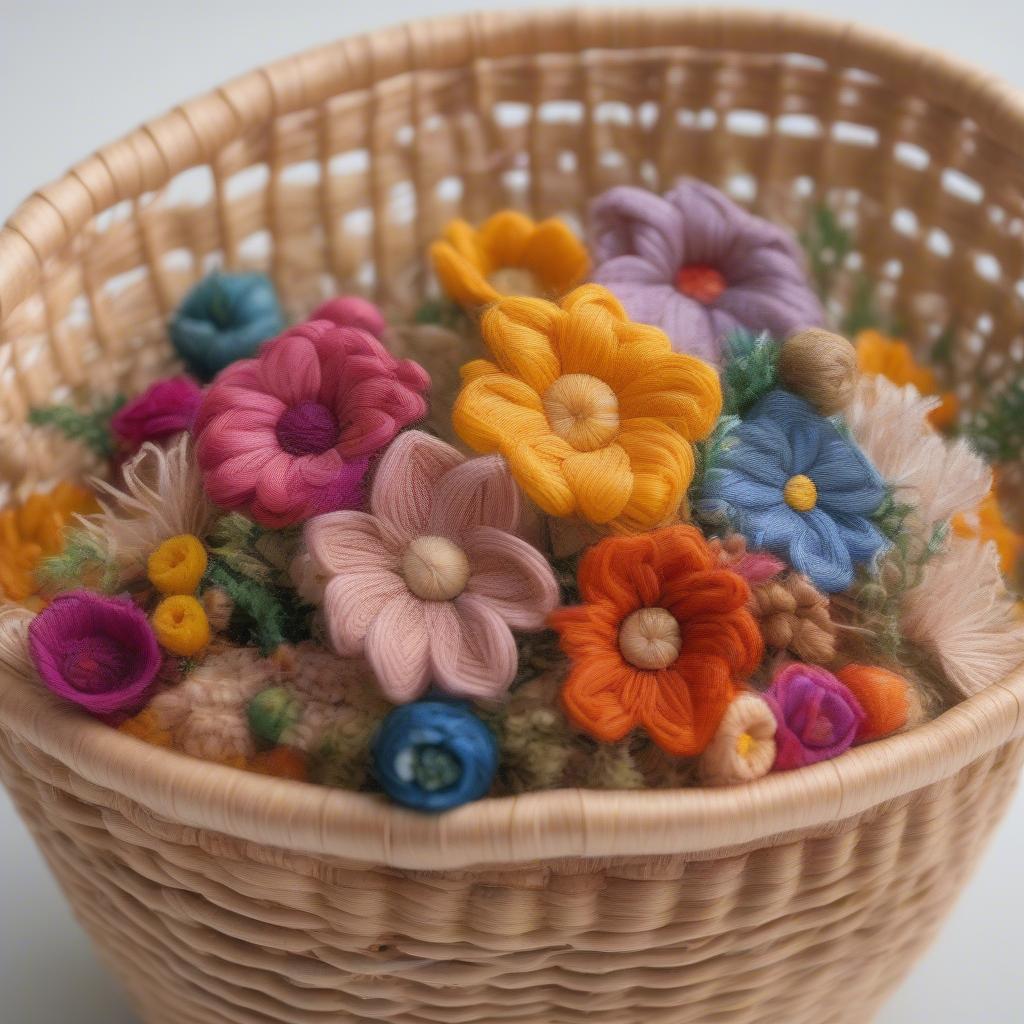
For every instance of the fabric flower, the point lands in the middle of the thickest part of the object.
(98, 652)
(165, 408)
(177, 565)
(743, 748)
(987, 523)
(508, 254)
(434, 755)
(792, 484)
(34, 530)
(429, 584)
(878, 354)
(223, 318)
(594, 415)
(883, 696)
(817, 718)
(661, 641)
(288, 435)
(181, 625)
(699, 267)
(352, 311)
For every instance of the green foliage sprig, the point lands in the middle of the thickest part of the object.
(91, 428)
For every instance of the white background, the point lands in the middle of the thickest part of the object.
(79, 73)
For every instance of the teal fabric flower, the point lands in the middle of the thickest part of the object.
(792, 484)
(224, 318)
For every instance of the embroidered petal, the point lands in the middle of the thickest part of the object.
(472, 651)
(398, 648)
(353, 601)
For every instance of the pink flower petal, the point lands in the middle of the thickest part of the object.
(406, 481)
(351, 603)
(225, 437)
(341, 542)
(472, 652)
(277, 488)
(290, 368)
(233, 481)
(368, 431)
(513, 578)
(398, 649)
(478, 492)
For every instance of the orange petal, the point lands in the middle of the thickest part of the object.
(493, 408)
(518, 332)
(587, 629)
(556, 256)
(679, 390)
(601, 481)
(536, 463)
(592, 700)
(663, 467)
(461, 279)
(621, 570)
(503, 238)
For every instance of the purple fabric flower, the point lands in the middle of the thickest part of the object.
(698, 266)
(817, 717)
(165, 408)
(98, 652)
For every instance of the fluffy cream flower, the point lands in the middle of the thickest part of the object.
(743, 748)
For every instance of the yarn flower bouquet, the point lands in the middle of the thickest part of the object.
(617, 515)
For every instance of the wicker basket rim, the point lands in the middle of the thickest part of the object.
(147, 158)
(306, 818)
(562, 823)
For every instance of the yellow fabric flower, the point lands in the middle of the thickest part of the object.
(593, 413)
(508, 254)
(987, 524)
(180, 625)
(177, 565)
(877, 353)
(34, 530)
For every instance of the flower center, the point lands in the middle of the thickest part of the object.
(435, 768)
(700, 282)
(800, 493)
(515, 281)
(582, 410)
(308, 428)
(95, 664)
(650, 638)
(744, 744)
(435, 569)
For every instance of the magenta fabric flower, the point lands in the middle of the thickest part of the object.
(99, 652)
(698, 266)
(817, 716)
(352, 311)
(429, 584)
(165, 408)
(288, 435)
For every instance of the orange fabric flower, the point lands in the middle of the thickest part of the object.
(593, 413)
(508, 254)
(877, 353)
(662, 641)
(987, 524)
(34, 530)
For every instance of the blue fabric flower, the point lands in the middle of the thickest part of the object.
(790, 482)
(223, 318)
(432, 755)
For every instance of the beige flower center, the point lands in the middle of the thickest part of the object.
(435, 569)
(583, 411)
(650, 638)
(744, 744)
(515, 281)
(800, 493)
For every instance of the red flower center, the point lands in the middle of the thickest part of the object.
(95, 664)
(700, 282)
(308, 428)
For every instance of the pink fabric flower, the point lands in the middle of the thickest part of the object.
(288, 435)
(429, 583)
(698, 266)
(352, 311)
(99, 652)
(165, 408)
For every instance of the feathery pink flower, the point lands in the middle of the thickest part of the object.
(429, 583)
(288, 435)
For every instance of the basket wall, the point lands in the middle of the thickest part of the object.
(334, 170)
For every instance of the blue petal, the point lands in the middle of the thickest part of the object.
(773, 529)
(862, 538)
(761, 452)
(820, 553)
(804, 428)
(748, 495)
(847, 482)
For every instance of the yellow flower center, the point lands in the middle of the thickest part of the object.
(435, 569)
(744, 744)
(649, 638)
(582, 410)
(515, 281)
(800, 493)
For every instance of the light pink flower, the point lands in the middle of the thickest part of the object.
(288, 435)
(431, 581)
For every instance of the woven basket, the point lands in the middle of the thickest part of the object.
(218, 896)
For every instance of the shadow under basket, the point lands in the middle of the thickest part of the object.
(219, 896)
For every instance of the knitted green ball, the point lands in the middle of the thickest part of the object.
(271, 712)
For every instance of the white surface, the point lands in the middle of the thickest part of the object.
(74, 75)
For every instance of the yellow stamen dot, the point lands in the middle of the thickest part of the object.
(800, 493)
(649, 638)
(515, 281)
(744, 744)
(582, 410)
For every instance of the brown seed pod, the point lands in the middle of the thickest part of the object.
(821, 367)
